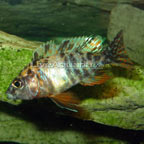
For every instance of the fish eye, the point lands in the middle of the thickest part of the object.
(17, 84)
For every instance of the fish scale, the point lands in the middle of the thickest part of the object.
(56, 68)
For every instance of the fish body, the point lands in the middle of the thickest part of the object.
(55, 69)
(61, 72)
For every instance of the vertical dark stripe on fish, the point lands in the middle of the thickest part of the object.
(70, 47)
(52, 89)
(89, 56)
(85, 69)
(46, 48)
(69, 69)
(66, 61)
(81, 64)
(78, 73)
(73, 60)
(35, 55)
(96, 58)
(86, 72)
(75, 66)
(70, 75)
(34, 62)
(62, 55)
(63, 45)
(29, 71)
(95, 61)
(83, 61)
(46, 60)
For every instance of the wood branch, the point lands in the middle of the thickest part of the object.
(7, 40)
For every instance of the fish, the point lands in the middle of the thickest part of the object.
(56, 68)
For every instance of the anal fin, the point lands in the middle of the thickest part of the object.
(96, 80)
(70, 102)
(66, 100)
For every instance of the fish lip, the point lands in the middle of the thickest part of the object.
(9, 96)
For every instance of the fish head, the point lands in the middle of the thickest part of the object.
(25, 86)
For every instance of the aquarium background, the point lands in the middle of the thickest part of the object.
(116, 107)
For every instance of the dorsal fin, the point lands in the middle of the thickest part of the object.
(80, 44)
(45, 50)
(93, 44)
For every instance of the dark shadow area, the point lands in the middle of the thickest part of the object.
(9, 142)
(139, 4)
(14, 2)
(41, 113)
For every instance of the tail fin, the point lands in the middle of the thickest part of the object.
(115, 53)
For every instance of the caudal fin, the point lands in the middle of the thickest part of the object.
(116, 54)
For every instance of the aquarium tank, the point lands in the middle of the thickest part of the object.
(46, 97)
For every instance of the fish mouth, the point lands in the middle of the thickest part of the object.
(10, 96)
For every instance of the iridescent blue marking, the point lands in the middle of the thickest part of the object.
(32, 93)
(42, 75)
(74, 110)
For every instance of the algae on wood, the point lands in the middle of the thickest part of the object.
(12, 41)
